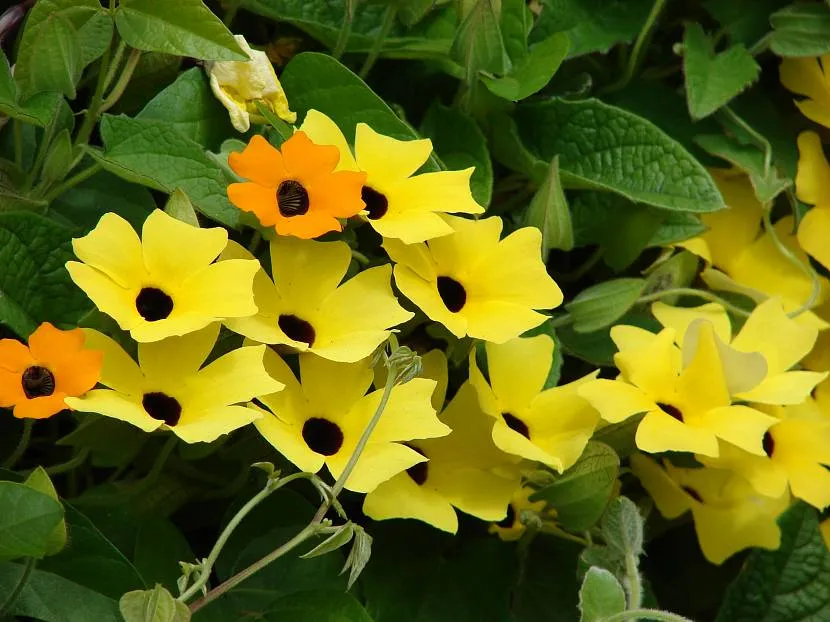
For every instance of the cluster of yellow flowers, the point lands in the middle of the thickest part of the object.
(753, 409)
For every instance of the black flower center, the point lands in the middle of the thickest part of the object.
(37, 381)
(420, 471)
(297, 329)
(507, 521)
(162, 407)
(672, 411)
(694, 494)
(376, 203)
(452, 293)
(153, 304)
(768, 443)
(322, 436)
(516, 424)
(292, 198)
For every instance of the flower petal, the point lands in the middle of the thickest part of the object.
(333, 389)
(287, 440)
(387, 160)
(14, 355)
(791, 387)
(742, 426)
(477, 492)
(40, 407)
(401, 497)
(378, 463)
(106, 294)
(11, 388)
(615, 400)
(208, 425)
(408, 414)
(679, 318)
(411, 227)
(670, 500)
(116, 405)
(119, 371)
(256, 199)
(323, 131)
(518, 370)
(114, 249)
(659, 432)
(221, 290)
(813, 234)
(442, 191)
(306, 272)
(425, 295)
(813, 170)
(260, 162)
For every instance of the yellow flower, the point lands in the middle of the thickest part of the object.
(239, 85)
(812, 183)
(295, 188)
(551, 426)
(320, 420)
(306, 307)
(796, 446)
(464, 470)
(475, 284)
(36, 379)
(687, 408)
(169, 388)
(399, 204)
(782, 341)
(511, 528)
(165, 283)
(729, 515)
(809, 77)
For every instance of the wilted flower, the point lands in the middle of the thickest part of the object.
(239, 85)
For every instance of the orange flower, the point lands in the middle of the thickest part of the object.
(295, 190)
(35, 380)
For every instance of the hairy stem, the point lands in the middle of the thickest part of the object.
(123, 81)
(640, 45)
(699, 293)
(22, 444)
(72, 182)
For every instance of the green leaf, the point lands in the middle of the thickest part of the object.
(801, 29)
(37, 110)
(52, 598)
(712, 80)
(358, 556)
(549, 586)
(766, 183)
(478, 45)
(676, 227)
(548, 211)
(516, 23)
(283, 130)
(147, 152)
(39, 480)
(190, 107)
(592, 25)
(601, 596)
(533, 72)
(459, 142)
(788, 585)
(746, 21)
(51, 56)
(581, 493)
(59, 159)
(317, 606)
(622, 527)
(33, 251)
(507, 147)
(627, 154)
(28, 521)
(180, 207)
(604, 303)
(318, 81)
(159, 547)
(156, 605)
(338, 539)
(184, 28)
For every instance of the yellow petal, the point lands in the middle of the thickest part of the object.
(616, 400)
(425, 295)
(679, 318)
(442, 191)
(512, 442)
(221, 290)
(782, 341)
(411, 227)
(175, 250)
(333, 389)
(742, 426)
(434, 367)
(486, 397)
(119, 371)
(401, 497)
(416, 257)
(818, 111)
(811, 482)
(262, 326)
(388, 161)
(724, 532)
(408, 414)
(702, 384)
(498, 321)
(378, 463)
(323, 131)
(787, 388)
(207, 425)
(518, 370)
(766, 476)
(813, 233)
(811, 180)
(731, 230)
(474, 491)
(288, 440)
(177, 357)
(805, 77)
(654, 367)
(659, 432)
(115, 405)
(305, 271)
(114, 249)
(631, 337)
(106, 294)
(671, 501)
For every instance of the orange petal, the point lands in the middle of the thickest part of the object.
(14, 356)
(79, 374)
(40, 407)
(308, 226)
(339, 194)
(49, 344)
(260, 162)
(260, 200)
(11, 388)
(306, 160)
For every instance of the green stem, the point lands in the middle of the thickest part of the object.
(17, 126)
(360, 257)
(158, 465)
(700, 293)
(578, 272)
(633, 583)
(207, 566)
(648, 614)
(71, 464)
(640, 45)
(91, 116)
(115, 64)
(72, 182)
(28, 567)
(253, 245)
(388, 20)
(761, 44)
(123, 81)
(757, 138)
(230, 13)
(345, 33)
(815, 292)
(22, 444)
(42, 150)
